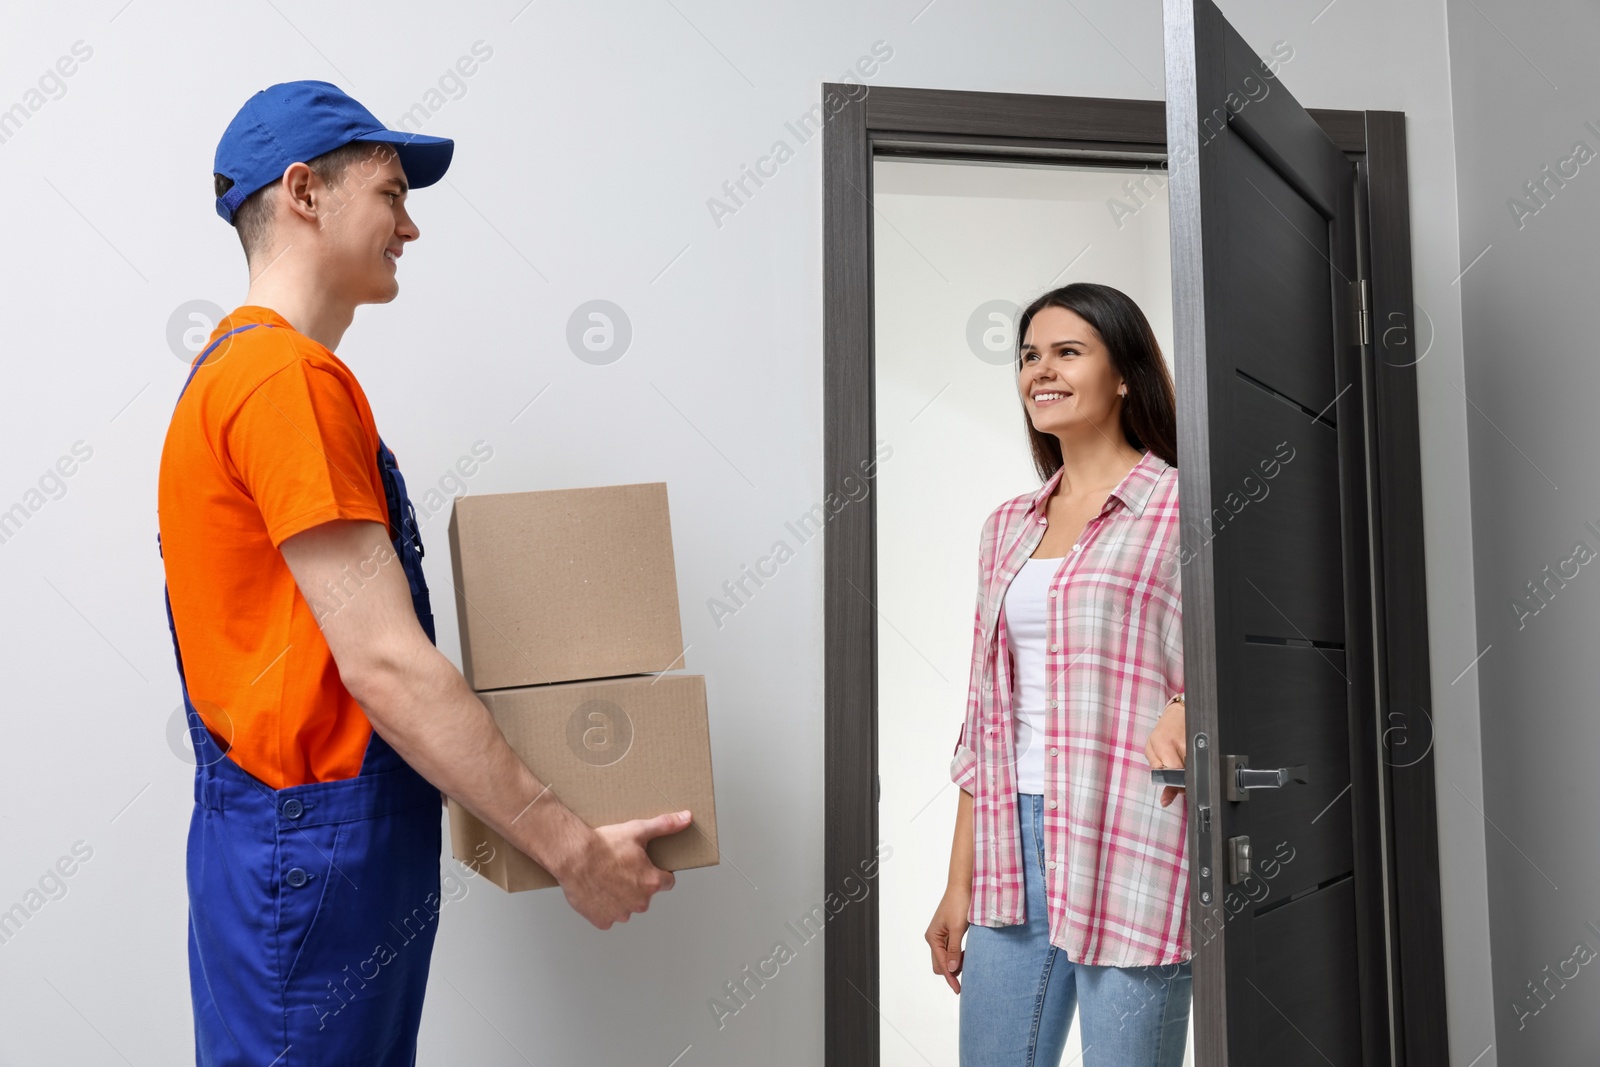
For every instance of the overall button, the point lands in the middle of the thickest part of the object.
(297, 877)
(293, 809)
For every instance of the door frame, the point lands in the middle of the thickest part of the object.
(866, 121)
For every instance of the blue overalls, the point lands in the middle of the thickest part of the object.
(313, 909)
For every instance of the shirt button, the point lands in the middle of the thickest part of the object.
(1053, 704)
(1074, 548)
(1052, 592)
(1055, 752)
(1055, 648)
(293, 809)
(1051, 864)
(1052, 804)
(296, 877)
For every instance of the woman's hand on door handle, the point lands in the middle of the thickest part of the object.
(1167, 746)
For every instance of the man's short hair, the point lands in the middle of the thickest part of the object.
(253, 219)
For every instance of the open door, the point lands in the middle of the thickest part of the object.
(1285, 811)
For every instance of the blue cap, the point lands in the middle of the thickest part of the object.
(293, 122)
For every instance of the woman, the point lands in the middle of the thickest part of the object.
(1068, 862)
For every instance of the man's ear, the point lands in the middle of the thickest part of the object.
(300, 189)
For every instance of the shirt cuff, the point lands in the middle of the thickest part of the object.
(964, 768)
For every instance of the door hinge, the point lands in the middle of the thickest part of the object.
(1362, 301)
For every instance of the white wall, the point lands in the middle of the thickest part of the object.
(588, 147)
(1525, 85)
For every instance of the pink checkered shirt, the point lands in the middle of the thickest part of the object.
(1116, 872)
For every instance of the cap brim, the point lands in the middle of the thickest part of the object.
(424, 157)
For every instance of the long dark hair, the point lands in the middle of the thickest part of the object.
(1149, 411)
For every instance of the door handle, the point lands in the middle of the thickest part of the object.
(1276, 778)
(1240, 777)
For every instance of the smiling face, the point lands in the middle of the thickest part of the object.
(365, 228)
(1067, 380)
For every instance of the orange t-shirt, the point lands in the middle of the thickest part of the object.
(272, 436)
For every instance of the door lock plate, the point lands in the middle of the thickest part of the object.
(1238, 857)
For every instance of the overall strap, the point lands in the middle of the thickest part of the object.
(200, 360)
(407, 538)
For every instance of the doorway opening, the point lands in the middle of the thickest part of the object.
(887, 151)
(960, 246)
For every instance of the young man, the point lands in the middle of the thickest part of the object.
(325, 722)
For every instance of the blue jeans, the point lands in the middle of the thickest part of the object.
(1018, 990)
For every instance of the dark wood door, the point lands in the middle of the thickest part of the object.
(1276, 576)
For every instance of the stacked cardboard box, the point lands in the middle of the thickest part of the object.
(568, 608)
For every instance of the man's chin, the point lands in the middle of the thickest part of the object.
(383, 294)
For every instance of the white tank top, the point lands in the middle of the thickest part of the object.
(1026, 628)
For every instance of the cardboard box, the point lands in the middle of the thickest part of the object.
(565, 584)
(612, 750)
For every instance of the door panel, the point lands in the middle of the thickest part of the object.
(1277, 614)
(1291, 585)
(1302, 694)
(1317, 1016)
(1270, 270)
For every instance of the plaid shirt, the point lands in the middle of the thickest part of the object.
(1116, 872)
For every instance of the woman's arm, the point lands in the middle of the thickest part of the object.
(961, 847)
(949, 924)
(1169, 741)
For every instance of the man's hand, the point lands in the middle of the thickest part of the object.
(1167, 745)
(613, 877)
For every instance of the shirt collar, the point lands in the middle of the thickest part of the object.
(1134, 490)
(248, 313)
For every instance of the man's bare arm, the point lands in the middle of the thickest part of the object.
(349, 573)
